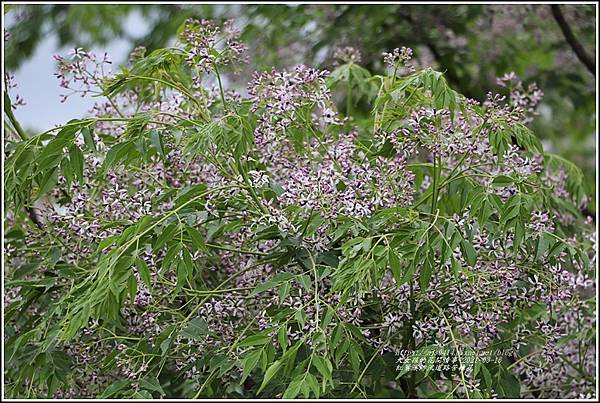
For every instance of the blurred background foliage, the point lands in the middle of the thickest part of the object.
(473, 44)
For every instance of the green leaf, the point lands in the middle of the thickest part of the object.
(7, 103)
(152, 384)
(354, 358)
(426, 270)
(269, 374)
(282, 337)
(25, 269)
(394, 261)
(189, 193)
(278, 279)
(121, 269)
(136, 125)
(300, 316)
(293, 388)
(142, 394)
(167, 234)
(195, 329)
(114, 388)
(172, 253)
(455, 267)
(249, 363)
(183, 274)
(52, 383)
(67, 170)
(284, 291)
(519, 234)
(55, 146)
(327, 317)
(341, 350)
(407, 276)
(76, 161)
(47, 183)
(366, 244)
(511, 209)
(189, 264)
(255, 340)
(337, 334)
(323, 365)
(156, 138)
(542, 245)
(503, 180)
(142, 268)
(132, 286)
(106, 242)
(117, 154)
(306, 282)
(88, 139)
(468, 252)
(487, 377)
(197, 239)
(526, 139)
(165, 345)
(310, 385)
(509, 385)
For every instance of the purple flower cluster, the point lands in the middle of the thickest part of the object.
(441, 134)
(347, 54)
(10, 82)
(82, 73)
(523, 100)
(522, 165)
(343, 183)
(399, 58)
(540, 222)
(206, 45)
(286, 99)
(520, 105)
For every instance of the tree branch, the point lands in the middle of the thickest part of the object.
(572, 41)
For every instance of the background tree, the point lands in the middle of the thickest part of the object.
(472, 44)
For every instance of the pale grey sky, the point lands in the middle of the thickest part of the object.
(38, 86)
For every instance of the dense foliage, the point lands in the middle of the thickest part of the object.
(186, 240)
(471, 43)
